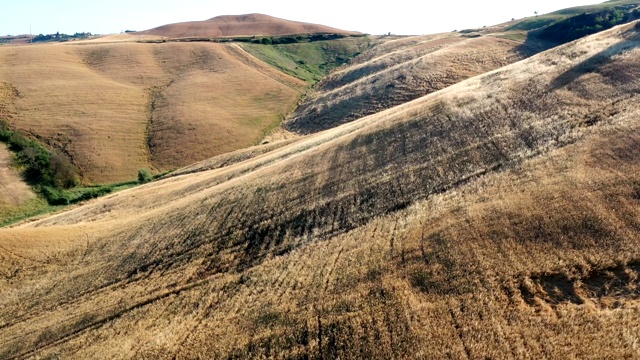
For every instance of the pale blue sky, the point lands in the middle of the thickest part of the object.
(396, 16)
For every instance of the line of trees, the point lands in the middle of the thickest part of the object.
(60, 37)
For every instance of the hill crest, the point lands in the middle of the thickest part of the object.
(241, 25)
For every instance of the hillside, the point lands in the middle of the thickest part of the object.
(495, 218)
(398, 71)
(540, 21)
(408, 68)
(116, 108)
(240, 25)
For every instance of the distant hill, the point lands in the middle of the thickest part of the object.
(114, 108)
(240, 25)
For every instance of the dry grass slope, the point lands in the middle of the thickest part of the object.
(497, 218)
(399, 71)
(116, 108)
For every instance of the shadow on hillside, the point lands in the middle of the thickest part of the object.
(532, 46)
(593, 63)
(536, 43)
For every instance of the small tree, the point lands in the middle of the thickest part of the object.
(144, 176)
(63, 172)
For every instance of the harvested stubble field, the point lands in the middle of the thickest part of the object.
(496, 218)
(117, 108)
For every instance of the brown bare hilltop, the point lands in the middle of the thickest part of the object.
(241, 25)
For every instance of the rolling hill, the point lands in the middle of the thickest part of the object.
(408, 68)
(398, 71)
(114, 108)
(537, 22)
(116, 105)
(240, 25)
(495, 218)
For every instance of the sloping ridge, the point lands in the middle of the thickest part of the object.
(430, 228)
(406, 70)
(241, 25)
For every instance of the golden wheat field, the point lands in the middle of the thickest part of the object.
(497, 218)
(117, 108)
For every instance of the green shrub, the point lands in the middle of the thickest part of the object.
(55, 196)
(52, 174)
(63, 172)
(144, 176)
(49, 171)
(93, 193)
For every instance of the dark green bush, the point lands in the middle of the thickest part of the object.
(582, 25)
(55, 196)
(144, 176)
(93, 193)
(64, 173)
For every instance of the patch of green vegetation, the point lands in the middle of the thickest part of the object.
(60, 37)
(80, 193)
(144, 176)
(538, 22)
(520, 36)
(34, 207)
(582, 25)
(535, 22)
(39, 165)
(309, 61)
(52, 200)
(51, 175)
